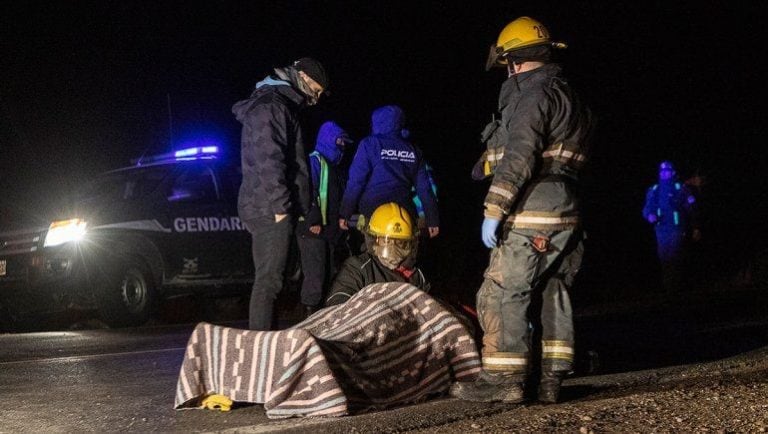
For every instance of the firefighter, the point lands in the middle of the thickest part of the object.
(532, 200)
(275, 190)
(319, 232)
(390, 256)
(671, 208)
(385, 168)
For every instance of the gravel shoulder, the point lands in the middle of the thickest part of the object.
(729, 395)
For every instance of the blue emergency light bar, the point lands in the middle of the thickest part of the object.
(196, 152)
(193, 153)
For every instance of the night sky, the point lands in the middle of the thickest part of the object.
(86, 86)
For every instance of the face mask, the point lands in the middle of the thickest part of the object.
(292, 75)
(390, 263)
(312, 96)
(392, 252)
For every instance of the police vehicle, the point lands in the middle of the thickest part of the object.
(162, 227)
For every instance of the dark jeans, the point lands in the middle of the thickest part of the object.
(270, 245)
(316, 255)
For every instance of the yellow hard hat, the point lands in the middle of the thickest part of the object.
(523, 32)
(392, 221)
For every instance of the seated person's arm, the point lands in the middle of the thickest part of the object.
(348, 281)
(421, 281)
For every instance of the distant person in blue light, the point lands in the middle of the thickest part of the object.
(275, 191)
(671, 208)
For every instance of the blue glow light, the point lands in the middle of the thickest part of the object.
(196, 151)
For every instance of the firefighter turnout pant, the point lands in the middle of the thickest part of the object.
(527, 285)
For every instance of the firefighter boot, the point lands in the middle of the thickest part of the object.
(489, 388)
(549, 387)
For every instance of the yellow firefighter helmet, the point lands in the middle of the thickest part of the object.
(523, 32)
(391, 235)
(391, 221)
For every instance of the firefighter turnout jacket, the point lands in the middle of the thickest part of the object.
(673, 204)
(543, 134)
(538, 149)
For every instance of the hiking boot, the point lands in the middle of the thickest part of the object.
(549, 387)
(488, 388)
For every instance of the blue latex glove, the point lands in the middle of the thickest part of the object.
(489, 232)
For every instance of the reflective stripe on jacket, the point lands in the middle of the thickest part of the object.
(673, 204)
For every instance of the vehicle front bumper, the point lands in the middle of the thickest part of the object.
(45, 279)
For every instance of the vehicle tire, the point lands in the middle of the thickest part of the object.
(126, 294)
(7, 320)
(13, 321)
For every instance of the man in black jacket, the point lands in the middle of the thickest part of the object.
(275, 190)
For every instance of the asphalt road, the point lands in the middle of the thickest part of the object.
(125, 380)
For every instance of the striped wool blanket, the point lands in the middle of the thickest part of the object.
(388, 345)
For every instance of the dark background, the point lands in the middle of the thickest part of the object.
(87, 85)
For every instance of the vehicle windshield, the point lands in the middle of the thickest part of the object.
(125, 185)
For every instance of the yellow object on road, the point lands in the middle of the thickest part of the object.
(217, 402)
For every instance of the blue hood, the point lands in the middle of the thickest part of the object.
(387, 120)
(326, 141)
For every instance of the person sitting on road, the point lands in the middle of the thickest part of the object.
(392, 243)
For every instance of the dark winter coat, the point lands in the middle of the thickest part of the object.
(275, 178)
(364, 269)
(327, 148)
(544, 132)
(385, 169)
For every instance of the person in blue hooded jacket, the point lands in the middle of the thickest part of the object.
(385, 169)
(318, 232)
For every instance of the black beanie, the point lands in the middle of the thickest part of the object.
(313, 69)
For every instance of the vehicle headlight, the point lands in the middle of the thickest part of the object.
(64, 231)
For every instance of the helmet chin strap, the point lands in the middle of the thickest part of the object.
(511, 68)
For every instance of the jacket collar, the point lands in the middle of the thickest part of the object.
(290, 93)
(282, 87)
(526, 80)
